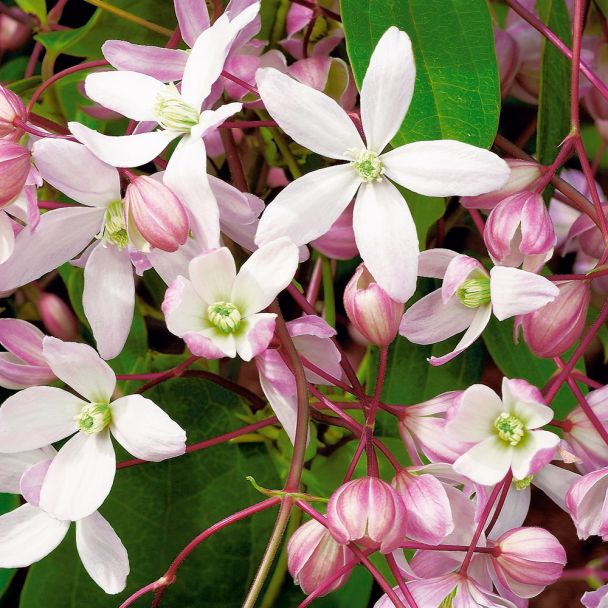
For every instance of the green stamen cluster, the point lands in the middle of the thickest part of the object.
(173, 113)
(225, 316)
(510, 428)
(522, 484)
(94, 418)
(473, 293)
(368, 165)
(115, 227)
(448, 600)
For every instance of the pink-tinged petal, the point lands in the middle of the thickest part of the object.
(123, 150)
(322, 353)
(163, 65)
(211, 119)
(28, 534)
(430, 592)
(145, 430)
(80, 477)
(183, 308)
(308, 116)
(515, 389)
(13, 466)
(514, 511)
(264, 275)
(457, 272)
(310, 325)
(430, 320)
(36, 417)
(596, 599)
(23, 340)
(487, 462)
(386, 237)
(244, 235)
(434, 262)
(534, 444)
(555, 483)
(255, 335)
(445, 168)
(206, 343)
(213, 275)
(7, 237)
(102, 553)
(187, 177)
(32, 480)
(298, 17)
(109, 298)
(235, 206)
(478, 324)
(517, 292)
(270, 364)
(339, 241)
(308, 206)
(533, 415)
(283, 405)
(245, 31)
(312, 72)
(81, 368)
(193, 19)
(387, 88)
(171, 265)
(474, 417)
(61, 235)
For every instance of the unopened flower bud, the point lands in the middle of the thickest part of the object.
(523, 176)
(585, 502)
(313, 556)
(369, 512)
(554, 328)
(519, 231)
(15, 162)
(158, 214)
(57, 317)
(371, 310)
(507, 53)
(13, 32)
(11, 107)
(585, 235)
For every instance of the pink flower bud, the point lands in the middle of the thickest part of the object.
(15, 163)
(529, 560)
(371, 310)
(554, 328)
(313, 556)
(11, 107)
(586, 236)
(157, 213)
(507, 53)
(596, 105)
(57, 317)
(369, 512)
(13, 33)
(586, 502)
(519, 231)
(339, 241)
(523, 176)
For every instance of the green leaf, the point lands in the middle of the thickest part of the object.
(73, 278)
(457, 94)
(34, 7)
(554, 93)
(158, 508)
(8, 502)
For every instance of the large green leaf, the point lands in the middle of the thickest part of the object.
(8, 502)
(457, 92)
(158, 508)
(34, 7)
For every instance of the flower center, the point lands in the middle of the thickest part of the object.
(368, 165)
(522, 484)
(94, 418)
(474, 292)
(173, 113)
(225, 316)
(114, 230)
(510, 428)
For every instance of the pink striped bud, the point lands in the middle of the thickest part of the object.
(585, 502)
(554, 328)
(371, 310)
(11, 107)
(369, 512)
(57, 317)
(509, 60)
(313, 556)
(524, 174)
(157, 213)
(13, 33)
(519, 231)
(586, 236)
(529, 559)
(15, 163)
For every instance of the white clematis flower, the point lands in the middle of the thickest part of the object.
(81, 475)
(384, 229)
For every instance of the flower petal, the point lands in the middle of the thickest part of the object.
(102, 553)
(445, 168)
(145, 430)
(193, 18)
(308, 116)
(386, 237)
(23, 340)
(213, 275)
(36, 417)
(517, 292)
(458, 270)
(387, 88)
(255, 335)
(283, 404)
(80, 477)
(528, 450)
(109, 298)
(210, 343)
(7, 237)
(13, 466)
(474, 418)
(28, 534)
(434, 262)
(487, 462)
(307, 207)
(183, 308)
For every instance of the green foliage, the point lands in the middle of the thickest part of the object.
(8, 502)
(34, 7)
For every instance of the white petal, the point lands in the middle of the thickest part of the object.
(74, 170)
(7, 237)
(213, 274)
(36, 417)
(445, 168)
(474, 419)
(387, 88)
(487, 462)
(211, 119)
(131, 94)
(123, 150)
(28, 534)
(60, 235)
(517, 292)
(434, 262)
(254, 335)
(283, 405)
(80, 477)
(145, 430)
(322, 353)
(308, 116)
(79, 366)
(236, 207)
(386, 237)
(183, 308)
(533, 415)
(211, 343)
(13, 466)
(264, 275)
(529, 448)
(102, 553)
(307, 207)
